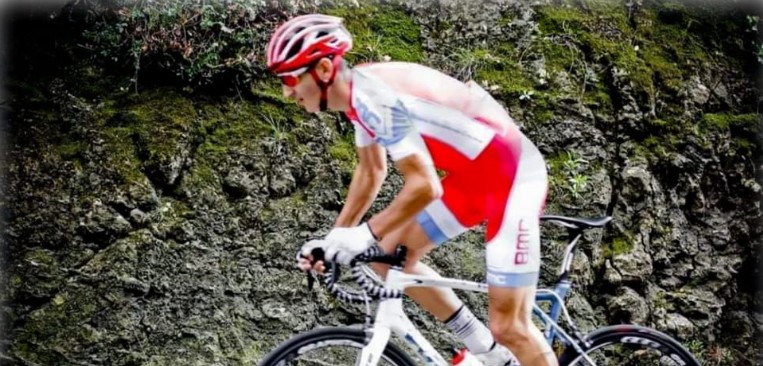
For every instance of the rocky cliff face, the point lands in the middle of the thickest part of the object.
(150, 224)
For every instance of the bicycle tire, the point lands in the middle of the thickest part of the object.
(321, 337)
(633, 338)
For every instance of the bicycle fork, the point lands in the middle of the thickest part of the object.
(390, 318)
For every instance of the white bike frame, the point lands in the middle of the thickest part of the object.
(390, 318)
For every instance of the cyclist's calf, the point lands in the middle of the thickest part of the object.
(510, 312)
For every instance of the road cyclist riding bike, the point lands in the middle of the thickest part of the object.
(426, 120)
(428, 123)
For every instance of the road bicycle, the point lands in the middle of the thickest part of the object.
(621, 345)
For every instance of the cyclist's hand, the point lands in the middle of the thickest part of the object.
(341, 245)
(345, 243)
(305, 259)
(306, 264)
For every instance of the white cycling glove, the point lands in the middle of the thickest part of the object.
(342, 244)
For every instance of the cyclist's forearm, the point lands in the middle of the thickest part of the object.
(416, 194)
(364, 188)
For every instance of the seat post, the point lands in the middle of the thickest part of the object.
(569, 252)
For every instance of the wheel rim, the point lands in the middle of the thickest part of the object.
(328, 352)
(632, 352)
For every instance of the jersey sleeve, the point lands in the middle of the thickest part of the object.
(388, 120)
(384, 117)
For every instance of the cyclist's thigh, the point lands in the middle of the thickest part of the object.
(455, 212)
(513, 228)
(412, 235)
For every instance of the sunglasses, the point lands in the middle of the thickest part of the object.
(291, 79)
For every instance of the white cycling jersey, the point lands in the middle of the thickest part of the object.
(492, 171)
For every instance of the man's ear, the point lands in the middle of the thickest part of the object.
(324, 69)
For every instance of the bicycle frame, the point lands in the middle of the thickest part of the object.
(391, 318)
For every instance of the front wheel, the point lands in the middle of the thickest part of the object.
(630, 345)
(330, 346)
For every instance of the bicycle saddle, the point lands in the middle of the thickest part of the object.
(578, 222)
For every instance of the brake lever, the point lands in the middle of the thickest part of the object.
(310, 281)
(318, 255)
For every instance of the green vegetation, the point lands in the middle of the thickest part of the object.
(41, 257)
(148, 131)
(697, 348)
(713, 354)
(742, 129)
(469, 62)
(380, 32)
(651, 54)
(343, 151)
(726, 121)
(620, 245)
(509, 80)
(567, 175)
(59, 324)
(151, 128)
(574, 41)
(203, 40)
(122, 155)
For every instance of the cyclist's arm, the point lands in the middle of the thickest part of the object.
(366, 181)
(387, 118)
(420, 189)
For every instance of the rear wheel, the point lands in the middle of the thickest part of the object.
(630, 345)
(330, 346)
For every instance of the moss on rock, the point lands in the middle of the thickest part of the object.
(343, 151)
(726, 121)
(381, 30)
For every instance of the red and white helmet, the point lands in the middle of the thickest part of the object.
(305, 39)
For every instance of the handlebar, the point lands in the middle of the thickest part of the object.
(370, 289)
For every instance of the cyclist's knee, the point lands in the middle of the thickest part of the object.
(512, 333)
(510, 315)
(410, 265)
(412, 260)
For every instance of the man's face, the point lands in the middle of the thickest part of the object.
(305, 91)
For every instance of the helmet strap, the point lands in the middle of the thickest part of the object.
(325, 85)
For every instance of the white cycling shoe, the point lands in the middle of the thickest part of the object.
(498, 356)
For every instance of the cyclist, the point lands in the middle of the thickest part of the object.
(427, 121)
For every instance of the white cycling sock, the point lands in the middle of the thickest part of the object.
(475, 335)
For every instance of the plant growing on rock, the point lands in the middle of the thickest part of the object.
(204, 41)
(567, 175)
